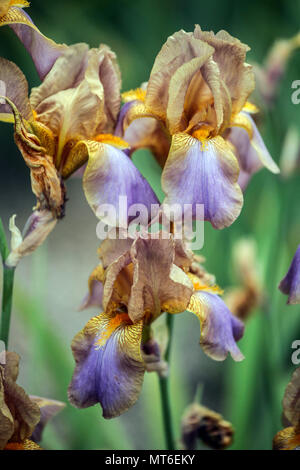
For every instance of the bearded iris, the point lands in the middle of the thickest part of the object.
(22, 417)
(196, 98)
(289, 437)
(69, 121)
(141, 278)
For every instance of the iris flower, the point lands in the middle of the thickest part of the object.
(135, 283)
(289, 437)
(22, 417)
(290, 284)
(197, 120)
(69, 120)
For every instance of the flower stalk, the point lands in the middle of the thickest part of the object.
(7, 289)
(165, 396)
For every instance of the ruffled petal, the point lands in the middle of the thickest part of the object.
(219, 328)
(43, 50)
(291, 400)
(250, 150)
(6, 418)
(111, 175)
(203, 173)
(14, 86)
(146, 280)
(112, 248)
(67, 72)
(158, 284)
(179, 84)
(109, 365)
(230, 55)
(26, 413)
(74, 107)
(110, 77)
(180, 48)
(290, 284)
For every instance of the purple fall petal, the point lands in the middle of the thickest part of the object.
(43, 51)
(109, 366)
(203, 173)
(219, 328)
(252, 154)
(112, 179)
(290, 284)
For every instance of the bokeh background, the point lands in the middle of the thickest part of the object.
(51, 283)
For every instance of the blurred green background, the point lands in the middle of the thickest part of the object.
(50, 284)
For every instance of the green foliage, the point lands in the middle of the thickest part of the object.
(248, 393)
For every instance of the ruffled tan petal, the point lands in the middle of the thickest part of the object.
(110, 77)
(67, 72)
(158, 284)
(118, 282)
(291, 400)
(112, 248)
(78, 111)
(230, 56)
(178, 87)
(180, 48)
(6, 418)
(16, 404)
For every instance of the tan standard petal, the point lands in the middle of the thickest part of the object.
(118, 282)
(77, 112)
(158, 284)
(6, 419)
(112, 248)
(179, 84)
(230, 55)
(17, 406)
(67, 72)
(291, 400)
(180, 48)
(110, 77)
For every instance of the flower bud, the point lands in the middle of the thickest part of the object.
(36, 230)
(200, 423)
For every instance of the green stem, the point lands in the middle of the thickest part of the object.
(7, 291)
(164, 394)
